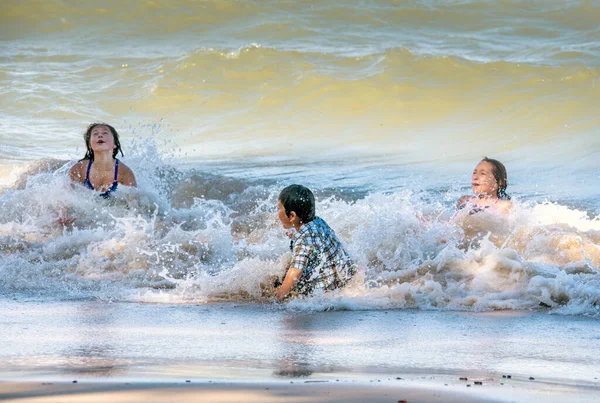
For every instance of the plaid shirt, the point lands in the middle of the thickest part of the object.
(318, 252)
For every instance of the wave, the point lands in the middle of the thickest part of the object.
(193, 237)
(289, 20)
(359, 105)
(261, 101)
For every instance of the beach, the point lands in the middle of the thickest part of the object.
(320, 391)
(231, 352)
(383, 109)
(224, 392)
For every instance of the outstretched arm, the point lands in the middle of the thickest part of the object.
(63, 217)
(291, 279)
(76, 174)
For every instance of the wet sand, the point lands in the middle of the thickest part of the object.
(313, 391)
(222, 392)
(130, 352)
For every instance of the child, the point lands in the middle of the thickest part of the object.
(489, 182)
(319, 261)
(100, 170)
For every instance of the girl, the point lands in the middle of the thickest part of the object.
(489, 182)
(100, 170)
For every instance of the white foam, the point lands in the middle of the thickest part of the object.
(136, 246)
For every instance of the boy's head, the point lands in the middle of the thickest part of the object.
(296, 206)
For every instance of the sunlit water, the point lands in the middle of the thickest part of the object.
(382, 108)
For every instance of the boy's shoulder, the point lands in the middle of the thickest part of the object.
(316, 231)
(317, 225)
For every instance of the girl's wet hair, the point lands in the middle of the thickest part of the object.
(300, 200)
(501, 177)
(89, 155)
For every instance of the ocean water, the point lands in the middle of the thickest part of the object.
(383, 108)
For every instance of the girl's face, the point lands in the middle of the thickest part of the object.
(101, 139)
(483, 180)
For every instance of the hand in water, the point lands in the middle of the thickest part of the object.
(63, 218)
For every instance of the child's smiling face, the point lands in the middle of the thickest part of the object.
(483, 180)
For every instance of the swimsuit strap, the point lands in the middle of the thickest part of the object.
(116, 170)
(87, 176)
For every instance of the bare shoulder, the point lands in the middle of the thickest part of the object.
(463, 200)
(504, 205)
(77, 171)
(126, 175)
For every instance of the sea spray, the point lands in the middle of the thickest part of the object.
(193, 237)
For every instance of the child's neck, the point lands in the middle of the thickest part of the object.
(104, 161)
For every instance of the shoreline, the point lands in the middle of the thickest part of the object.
(319, 387)
(234, 391)
(139, 352)
(295, 390)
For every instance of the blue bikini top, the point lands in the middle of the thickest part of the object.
(114, 185)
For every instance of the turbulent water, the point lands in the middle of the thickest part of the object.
(382, 107)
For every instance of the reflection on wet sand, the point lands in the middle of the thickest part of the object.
(93, 352)
(297, 345)
(304, 341)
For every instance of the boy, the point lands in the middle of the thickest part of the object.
(319, 261)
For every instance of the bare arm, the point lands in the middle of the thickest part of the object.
(126, 176)
(504, 206)
(291, 279)
(76, 174)
(63, 217)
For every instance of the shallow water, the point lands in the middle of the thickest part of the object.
(199, 237)
(382, 108)
(86, 339)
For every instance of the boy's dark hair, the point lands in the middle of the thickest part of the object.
(300, 200)
(501, 177)
(89, 154)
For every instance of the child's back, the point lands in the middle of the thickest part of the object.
(324, 262)
(319, 260)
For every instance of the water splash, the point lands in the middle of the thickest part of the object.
(191, 237)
